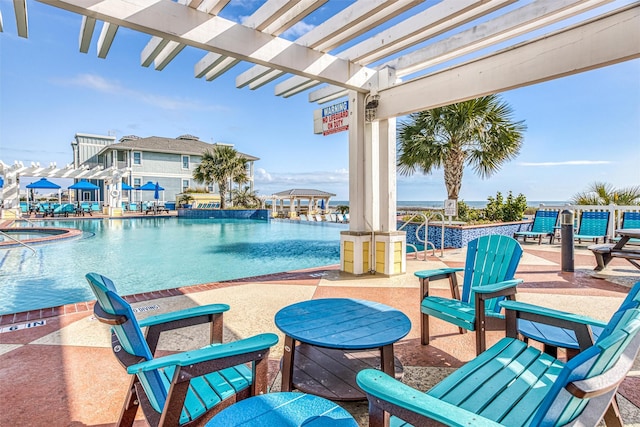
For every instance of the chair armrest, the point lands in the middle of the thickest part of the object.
(580, 325)
(523, 307)
(439, 272)
(257, 343)
(392, 396)
(497, 287)
(183, 314)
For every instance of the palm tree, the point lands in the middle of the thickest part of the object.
(601, 193)
(221, 165)
(478, 133)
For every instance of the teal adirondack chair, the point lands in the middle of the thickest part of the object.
(593, 226)
(512, 384)
(488, 278)
(184, 388)
(544, 224)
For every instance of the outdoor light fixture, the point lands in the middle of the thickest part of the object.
(371, 109)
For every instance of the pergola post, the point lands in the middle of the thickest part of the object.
(372, 243)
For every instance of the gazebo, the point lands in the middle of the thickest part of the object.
(318, 201)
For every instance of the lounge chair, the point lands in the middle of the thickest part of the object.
(544, 224)
(85, 207)
(593, 226)
(318, 217)
(303, 217)
(488, 278)
(185, 387)
(64, 210)
(95, 207)
(630, 219)
(512, 384)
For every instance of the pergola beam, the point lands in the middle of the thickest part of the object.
(340, 28)
(504, 27)
(86, 33)
(274, 17)
(105, 40)
(431, 22)
(608, 39)
(215, 34)
(20, 9)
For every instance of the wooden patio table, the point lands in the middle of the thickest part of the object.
(332, 333)
(621, 249)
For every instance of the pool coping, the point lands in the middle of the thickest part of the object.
(86, 306)
(67, 233)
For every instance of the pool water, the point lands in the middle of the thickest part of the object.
(145, 254)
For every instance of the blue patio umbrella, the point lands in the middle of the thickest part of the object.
(126, 187)
(321, 204)
(44, 183)
(84, 185)
(150, 186)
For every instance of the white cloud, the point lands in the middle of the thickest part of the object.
(113, 87)
(299, 29)
(567, 163)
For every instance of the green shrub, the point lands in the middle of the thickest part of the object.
(497, 210)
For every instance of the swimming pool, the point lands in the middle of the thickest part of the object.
(144, 254)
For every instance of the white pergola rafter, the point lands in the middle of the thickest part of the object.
(215, 34)
(569, 51)
(273, 18)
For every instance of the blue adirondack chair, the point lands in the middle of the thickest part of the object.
(544, 224)
(512, 384)
(593, 226)
(177, 389)
(556, 336)
(488, 278)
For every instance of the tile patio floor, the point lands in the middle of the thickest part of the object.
(64, 374)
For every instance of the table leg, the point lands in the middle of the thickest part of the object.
(287, 363)
(387, 364)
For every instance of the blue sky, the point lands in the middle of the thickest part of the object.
(581, 128)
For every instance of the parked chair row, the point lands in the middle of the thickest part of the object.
(334, 217)
(592, 225)
(210, 205)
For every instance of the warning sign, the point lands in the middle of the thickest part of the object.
(335, 118)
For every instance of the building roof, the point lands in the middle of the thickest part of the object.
(301, 192)
(184, 144)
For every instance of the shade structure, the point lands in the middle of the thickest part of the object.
(126, 187)
(44, 183)
(84, 185)
(321, 204)
(150, 186)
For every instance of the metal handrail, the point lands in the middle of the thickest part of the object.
(425, 224)
(424, 241)
(18, 241)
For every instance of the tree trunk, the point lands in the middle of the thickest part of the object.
(453, 168)
(222, 186)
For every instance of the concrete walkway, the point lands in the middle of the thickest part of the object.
(62, 372)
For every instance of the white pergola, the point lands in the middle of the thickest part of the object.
(384, 70)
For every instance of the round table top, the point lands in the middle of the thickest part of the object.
(343, 323)
(276, 409)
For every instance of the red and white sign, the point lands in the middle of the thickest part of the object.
(335, 118)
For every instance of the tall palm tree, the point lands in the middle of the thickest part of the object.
(222, 165)
(479, 133)
(602, 193)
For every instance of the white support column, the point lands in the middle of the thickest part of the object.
(372, 242)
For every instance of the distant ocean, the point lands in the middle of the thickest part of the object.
(440, 203)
